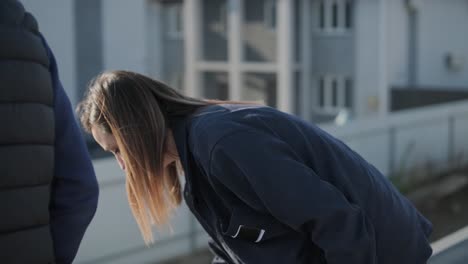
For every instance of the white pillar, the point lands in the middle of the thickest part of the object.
(235, 15)
(383, 79)
(308, 95)
(369, 89)
(285, 64)
(192, 46)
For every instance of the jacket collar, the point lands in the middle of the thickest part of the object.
(180, 127)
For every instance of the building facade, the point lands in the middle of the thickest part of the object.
(308, 57)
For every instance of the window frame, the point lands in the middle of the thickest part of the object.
(334, 17)
(270, 18)
(332, 92)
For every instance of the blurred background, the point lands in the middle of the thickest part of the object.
(388, 77)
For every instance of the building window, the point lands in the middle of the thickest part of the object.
(217, 16)
(322, 15)
(223, 19)
(349, 93)
(216, 85)
(260, 87)
(269, 15)
(175, 21)
(348, 15)
(321, 92)
(334, 16)
(334, 93)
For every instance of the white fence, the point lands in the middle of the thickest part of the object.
(414, 138)
(434, 133)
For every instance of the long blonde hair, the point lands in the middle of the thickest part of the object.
(136, 110)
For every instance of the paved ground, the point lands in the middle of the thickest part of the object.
(201, 257)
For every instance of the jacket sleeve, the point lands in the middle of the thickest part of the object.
(74, 193)
(295, 195)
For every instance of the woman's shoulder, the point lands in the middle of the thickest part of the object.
(219, 120)
(211, 124)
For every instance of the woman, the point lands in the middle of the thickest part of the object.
(266, 186)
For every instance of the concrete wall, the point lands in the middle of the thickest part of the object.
(57, 23)
(442, 30)
(438, 32)
(438, 25)
(334, 54)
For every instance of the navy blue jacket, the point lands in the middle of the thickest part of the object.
(271, 188)
(75, 190)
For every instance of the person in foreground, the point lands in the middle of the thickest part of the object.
(267, 186)
(48, 188)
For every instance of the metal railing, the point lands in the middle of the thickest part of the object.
(430, 134)
(452, 249)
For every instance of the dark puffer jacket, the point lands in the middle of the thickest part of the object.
(48, 190)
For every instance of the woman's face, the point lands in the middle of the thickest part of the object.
(108, 143)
